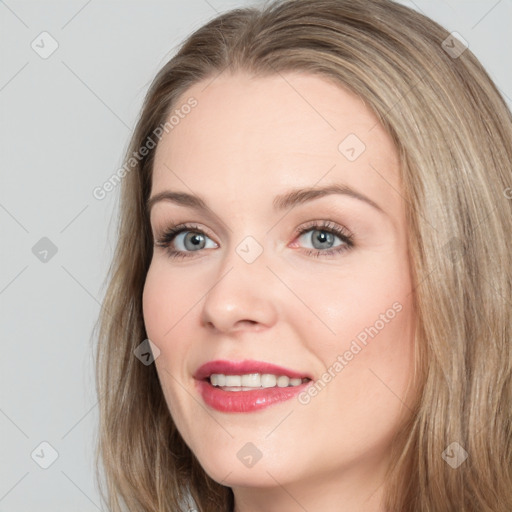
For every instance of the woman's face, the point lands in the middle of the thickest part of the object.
(333, 304)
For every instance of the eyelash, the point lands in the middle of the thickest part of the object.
(346, 237)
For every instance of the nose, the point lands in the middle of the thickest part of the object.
(242, 297)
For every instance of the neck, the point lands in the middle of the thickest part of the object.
(351, 489)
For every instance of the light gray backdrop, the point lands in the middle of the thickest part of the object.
(72, 79)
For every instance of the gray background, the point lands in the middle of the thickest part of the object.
(65, 123)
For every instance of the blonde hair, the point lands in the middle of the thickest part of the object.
(453, 132)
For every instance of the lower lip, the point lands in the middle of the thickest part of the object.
(246, 401)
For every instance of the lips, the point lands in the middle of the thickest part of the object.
(243, 367)
(231, 401)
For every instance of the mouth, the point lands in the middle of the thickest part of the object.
(245, 386)
(249, 373)
(251, 381)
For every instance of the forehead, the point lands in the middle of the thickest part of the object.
(264, 135)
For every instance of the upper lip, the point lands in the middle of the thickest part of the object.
(226, 367)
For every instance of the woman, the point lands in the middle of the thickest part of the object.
(342, 339)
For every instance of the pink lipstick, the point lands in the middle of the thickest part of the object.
(264, 384)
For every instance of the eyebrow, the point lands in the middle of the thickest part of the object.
(281, 202)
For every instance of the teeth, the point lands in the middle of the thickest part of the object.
(254, 380)
(268, 380)
(233, 380)
(283, 381)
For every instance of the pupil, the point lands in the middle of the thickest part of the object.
(324, 237)
(195, 238)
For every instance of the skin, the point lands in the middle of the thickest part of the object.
(248, 140)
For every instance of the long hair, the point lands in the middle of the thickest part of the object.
(453, 133)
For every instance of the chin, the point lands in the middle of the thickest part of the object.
(230, 471)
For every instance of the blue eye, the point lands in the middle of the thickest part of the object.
(194, 240)
(323, 236)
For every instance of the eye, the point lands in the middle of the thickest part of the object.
(322, 237)
(183, 240)
(188, 238)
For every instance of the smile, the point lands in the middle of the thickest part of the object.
(246, 386)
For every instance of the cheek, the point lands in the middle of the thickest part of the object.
(377, 354)
(164, 302)
(365, 297)
(162, 309)
(161, 313)
(366, 334)
(154, 303)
